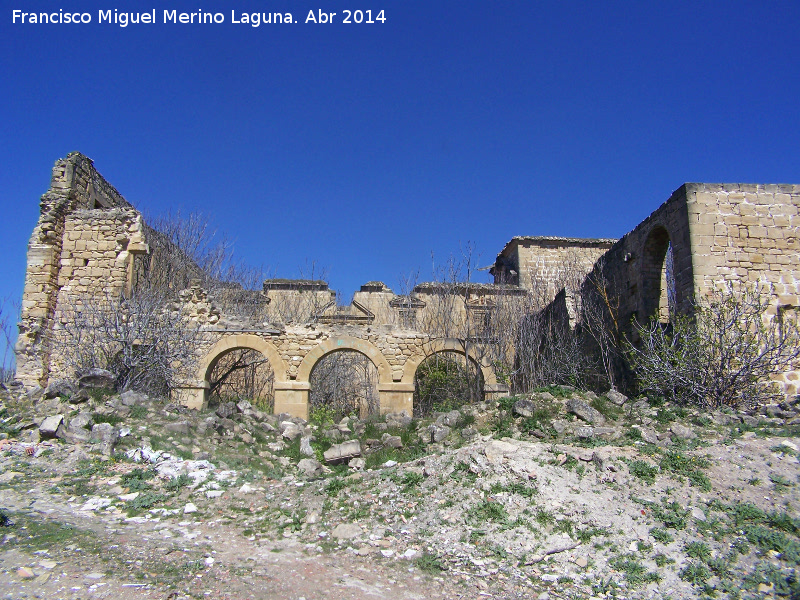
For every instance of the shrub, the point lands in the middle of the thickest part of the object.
(723, 355)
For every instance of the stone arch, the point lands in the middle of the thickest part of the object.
(447, 345)
(233, 342)
(334, 344)
(655, 301)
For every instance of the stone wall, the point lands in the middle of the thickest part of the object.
(90, 242)
(90, 246)
(75, 186)
(716, 233)
(544, 265)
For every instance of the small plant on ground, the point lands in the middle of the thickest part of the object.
(635, 572)
(137, 480)
(488, 511)
(429, 563)
(695, 573)
(643, 470)
(698, 550)
(661, 535)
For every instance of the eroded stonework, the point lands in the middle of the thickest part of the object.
(91, 243)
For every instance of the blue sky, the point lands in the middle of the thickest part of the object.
(368, 147)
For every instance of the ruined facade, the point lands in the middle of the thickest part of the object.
(91, 243)
(543, 265)
(711, 234)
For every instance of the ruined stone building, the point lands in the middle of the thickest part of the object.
(90, 243)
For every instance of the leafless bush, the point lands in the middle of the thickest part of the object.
(184, 249)
(444, 382)
(724, 355)
(542, 340)
(140, 338)
(548, 351)
(600, 321)
(301, 300)
(457, 310)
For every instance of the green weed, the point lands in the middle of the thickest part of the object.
(643, 470)
(488, 511)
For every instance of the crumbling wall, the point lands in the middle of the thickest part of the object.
(716, 233)
(75, 186)
(543, 265)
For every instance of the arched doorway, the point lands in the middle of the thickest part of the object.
(242, 374)
(240, 366)
(658, 277)
(445, 381)
(343, 383)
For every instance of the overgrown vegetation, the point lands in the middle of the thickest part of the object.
(723, 355)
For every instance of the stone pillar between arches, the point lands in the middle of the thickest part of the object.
(494, 391)
(396, 397)
(291, 397)
(192, 394)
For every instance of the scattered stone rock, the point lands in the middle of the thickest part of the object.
(310, 467)
(346, 531)
(524, 408)
(392, 441)
(35, 393)
(52, 427)
(469, 433)
(750, 420)
(616, 397)
(289, 430)
(450, 419)
(582, 410)
(606, 432)
(59, 388)
(305, 446)
(97, 379)
(226, 410)
(398, 419)
(721, 418)
(180, 427)
(25, 573)
(649, 435)
(496, 450)
(434, 434)
(106, 436)
(343, 452)
(131, 398)
(682, 431)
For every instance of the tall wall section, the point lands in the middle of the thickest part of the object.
(84, 238)
(746, 232)
(716, 233)
(633, 268)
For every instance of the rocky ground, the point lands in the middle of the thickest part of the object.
(558, 494)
